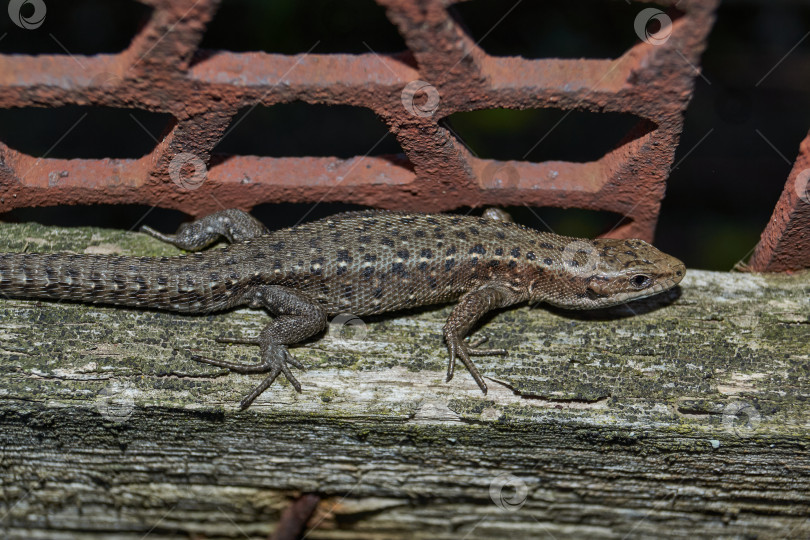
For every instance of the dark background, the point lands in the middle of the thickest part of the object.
(751, 104)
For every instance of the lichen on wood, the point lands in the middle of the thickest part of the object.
(684, 414)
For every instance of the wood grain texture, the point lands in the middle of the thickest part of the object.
(689, 418)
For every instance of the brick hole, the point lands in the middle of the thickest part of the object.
(722, 239)
(299, 129)
(279, 216)
(289, 27)
(736, 173)
(589, 29)
(74, 131)
(124, 216)
(723, 194)
(734, 170)
(569, 222)
(577, 136)
(82, 27)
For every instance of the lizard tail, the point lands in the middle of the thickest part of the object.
(183, 283)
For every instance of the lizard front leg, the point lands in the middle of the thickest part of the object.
(235, 225)
(296, 317)
(470, 308)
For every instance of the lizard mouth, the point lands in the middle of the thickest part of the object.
(626, 297)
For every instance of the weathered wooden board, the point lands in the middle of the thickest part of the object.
(683, 415)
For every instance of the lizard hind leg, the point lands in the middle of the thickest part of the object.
(470, 308)
(296, 317)
(234, 225)
(463, 351)
(274, 362)
(475, 351)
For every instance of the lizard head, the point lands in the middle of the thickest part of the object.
(592, 274)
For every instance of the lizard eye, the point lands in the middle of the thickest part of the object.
(640, 281)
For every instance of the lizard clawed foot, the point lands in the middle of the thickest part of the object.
(275, 358)
(168, 238)
(463, 351)
(177, 240)
(473, 349)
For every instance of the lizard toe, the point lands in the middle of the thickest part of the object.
(278, 357)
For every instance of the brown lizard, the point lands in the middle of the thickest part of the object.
(362, 263)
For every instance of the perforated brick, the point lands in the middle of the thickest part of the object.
(163, 71)
(785, 242)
